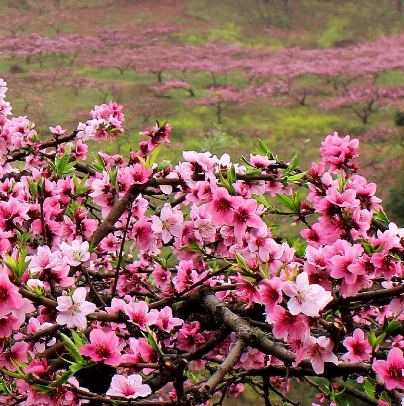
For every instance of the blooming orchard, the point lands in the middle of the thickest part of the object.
(133, 281)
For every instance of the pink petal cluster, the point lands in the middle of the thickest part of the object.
(138, 313)
(306, 298)
(391, 370)
(74, 309)
(103, 347)
(130, 387)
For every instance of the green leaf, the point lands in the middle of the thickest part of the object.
(113, 174)
(370, 248)
(23, 237)
(390, 326)
(149, 337)
(62, 378)
(14, 374)
(10, 263)
(41, 388)
(294, 178)
(231, 175)
(241, 263)
(393, 326)
(262, 149)
(227, 184)
(375, 341)
(162, 165)
(381, 216)
(63, 161)
(79, 188)
(151, 159)
(369, 389)
(292, 166)
(253, 172)
(51, 165)
(294, 163)
(194, 247)
(76, 367)
(33, 188)
(247, 164)
(286, 201)
(78, 341)
(99, 165)
(297, 202)
(18, 265)
(71, 346)
(261, 199)
(299, 245)
(142, 160)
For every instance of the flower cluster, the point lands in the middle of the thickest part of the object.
(106, 123)
(129, 278)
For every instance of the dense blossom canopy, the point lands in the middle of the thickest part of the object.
(133, 281)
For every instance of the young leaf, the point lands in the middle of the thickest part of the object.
(261, 199)
(381, 216)
(99, 165)
(286, 201)
(297, 176)
(63, 378)
(369, 389)
(71, 346)
(149, 337)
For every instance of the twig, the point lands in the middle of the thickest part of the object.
(118, 265)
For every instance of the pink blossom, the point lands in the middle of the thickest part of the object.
(74, 309)
(245, 215)
(143, 235)
(76, 253)
(166, 321)
(10, 298)
(110, 244)
(7, 325)
(306, 298)
(102, 347)
(189, 337)
(391, 370)
(287, 325)
(130, 387)
(223, 205)
(270, 292)
(139, 174)
(358, 347)
(169, 223)
(138, 313)
(17, 353)
(186, 275)
(58, 130)
(337, 151)
(268, 249)
(161, 277)
(340, 265)
(13, 211)
(385, 265)
(139, 351)
(318, 351)
(345, 199)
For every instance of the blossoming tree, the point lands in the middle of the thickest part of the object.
(132, 281)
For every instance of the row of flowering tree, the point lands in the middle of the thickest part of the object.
(130, 280)
(321, 78)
